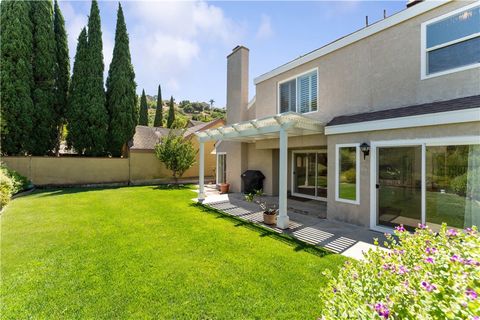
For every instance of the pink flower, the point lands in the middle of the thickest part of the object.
(429, 260)
(402, 270)
(416, 268)
(400, 228)
(428, 286)
(422, 226)
(429, 250)
(471, 294)
(452, 232)
(455, 258)
(382, 310)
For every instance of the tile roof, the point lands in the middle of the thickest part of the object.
(421, 109)
(146, 138)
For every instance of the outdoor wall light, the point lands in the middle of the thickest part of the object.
(365, 148)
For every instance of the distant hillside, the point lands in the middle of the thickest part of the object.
(186, 110)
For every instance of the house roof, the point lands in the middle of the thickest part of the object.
(146, 138)
(399, 17)
(415, 110)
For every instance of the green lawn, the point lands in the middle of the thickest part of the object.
(147, 252)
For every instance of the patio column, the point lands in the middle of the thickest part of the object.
(201, 173)
(282, 219)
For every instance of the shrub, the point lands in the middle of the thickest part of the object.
(349, 176)
(176, 152)
(6, 187)
(423, 276)
(11, 182)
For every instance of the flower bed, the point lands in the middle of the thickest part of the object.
(424, 275)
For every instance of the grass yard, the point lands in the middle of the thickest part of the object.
(148, 252)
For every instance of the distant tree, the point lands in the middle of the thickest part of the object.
(121, 95)
(171, 113)
(44, 64)
(158, 122)
(98, 117)
(62, 74)
(16, 76)
(78, 108)
(176, 152)
(211, 102)
(143, 119)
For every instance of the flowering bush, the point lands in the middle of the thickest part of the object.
(423, 275)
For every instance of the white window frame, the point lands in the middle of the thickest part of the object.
(296, 91)
(216, 165)
(292, 180)
(357, 172)
(423, 143)
(424, 50)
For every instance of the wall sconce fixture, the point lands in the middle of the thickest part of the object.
(365, 148)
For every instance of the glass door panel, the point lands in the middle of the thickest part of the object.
(453, 186)
(322, 175)
(310, 174)
(399, 190)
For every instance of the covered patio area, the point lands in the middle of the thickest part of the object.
(281, 126)
(307, 222)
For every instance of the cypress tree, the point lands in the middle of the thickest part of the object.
(77, 114)
(143, 119)
(171, 113)
(97, 121)
(16, 76)
(158, 122)
(121, 86)
(62, 76)
(44, 135)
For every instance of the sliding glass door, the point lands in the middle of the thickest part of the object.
(309, 174)
(433, 182)
(398, 186)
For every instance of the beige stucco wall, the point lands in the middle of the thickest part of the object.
(378, 72)
(360, 214)
(141, 167)
(66, 171)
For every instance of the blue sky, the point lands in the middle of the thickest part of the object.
(183, 45)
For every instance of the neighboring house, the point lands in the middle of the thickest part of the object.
(146, 166)
(382, 124)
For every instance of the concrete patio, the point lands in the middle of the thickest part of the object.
(308, 222)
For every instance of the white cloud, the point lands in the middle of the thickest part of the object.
(166, 38)
(74, 23)
(265, 29)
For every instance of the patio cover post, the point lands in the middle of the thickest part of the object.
(201, 174)
(282, 219)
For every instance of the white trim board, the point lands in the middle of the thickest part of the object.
(379, 26)
(430, 119)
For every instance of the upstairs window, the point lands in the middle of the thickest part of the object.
(299, 94)
(451, 42)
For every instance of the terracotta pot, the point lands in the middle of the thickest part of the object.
(224, 187)
(270, 218)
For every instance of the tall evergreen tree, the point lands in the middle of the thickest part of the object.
(62, 74)
(158, 122)
(78, 107)
(44, 135)
(121, 95)
(16, 76)
(98, 115)
(171, 114)
(143, 119)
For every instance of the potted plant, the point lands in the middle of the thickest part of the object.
(224, 187)
(269, 210)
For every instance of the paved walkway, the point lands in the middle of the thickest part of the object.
(308, 223)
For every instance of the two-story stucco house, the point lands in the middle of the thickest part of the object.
(382, 124)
